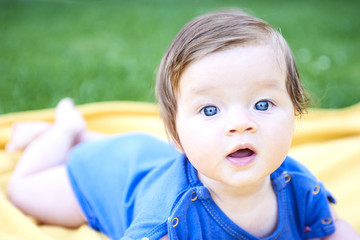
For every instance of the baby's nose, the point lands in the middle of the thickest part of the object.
(240, 123)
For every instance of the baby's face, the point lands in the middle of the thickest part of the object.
(235, 117)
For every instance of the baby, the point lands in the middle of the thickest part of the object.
(229, 92)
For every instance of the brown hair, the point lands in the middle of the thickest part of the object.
(214, 32)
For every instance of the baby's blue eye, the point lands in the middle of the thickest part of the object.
(263, 105)
(210, 111)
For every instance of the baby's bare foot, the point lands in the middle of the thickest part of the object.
(69, 119)
(23, 133)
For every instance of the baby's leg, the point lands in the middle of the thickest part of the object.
(39, 184)
(52, 146)
(23, 133)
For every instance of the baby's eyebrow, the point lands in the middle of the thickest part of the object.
(196, 93)
(273, 85)
(203, 90)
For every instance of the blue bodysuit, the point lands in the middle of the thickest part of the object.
(136, 186)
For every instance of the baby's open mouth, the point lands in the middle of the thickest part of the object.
(242, 157)
(241, 153)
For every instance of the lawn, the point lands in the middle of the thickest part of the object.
(109, 50)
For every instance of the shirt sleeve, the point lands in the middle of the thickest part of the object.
(319, 221)
(312, 200)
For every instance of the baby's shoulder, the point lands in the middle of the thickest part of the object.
(294, 170)
(307, 197)
(299, 180)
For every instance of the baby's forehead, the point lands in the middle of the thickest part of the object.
(255, 65)
(277, 50)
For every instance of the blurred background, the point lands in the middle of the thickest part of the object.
(109, 50)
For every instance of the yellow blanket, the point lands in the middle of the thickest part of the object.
(327, 141)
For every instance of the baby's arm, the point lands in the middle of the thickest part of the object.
(344, 231)
(40, 185)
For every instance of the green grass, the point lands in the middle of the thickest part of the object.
(109, 50)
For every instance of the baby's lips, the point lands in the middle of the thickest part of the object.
(241, 153)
